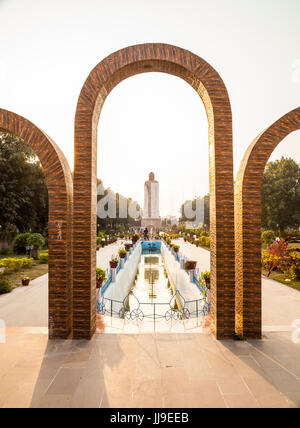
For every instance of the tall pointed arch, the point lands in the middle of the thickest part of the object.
(154, 57)
(248, 223)
(60, 193)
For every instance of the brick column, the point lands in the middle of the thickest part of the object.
(60, 193)
(248, 224)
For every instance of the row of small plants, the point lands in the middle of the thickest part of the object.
(189, 264)
(269, 236)
(14, 264)
(280, 258)
(168, 241)
(101, 276)
(201, 241)
(103, 240)
(10, 265)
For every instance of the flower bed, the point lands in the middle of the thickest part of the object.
(288, 264)
(282, 259)
(15, 264)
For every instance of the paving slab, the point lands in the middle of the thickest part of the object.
(148, 370)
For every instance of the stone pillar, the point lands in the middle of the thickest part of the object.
(113, 274)
(182, 262)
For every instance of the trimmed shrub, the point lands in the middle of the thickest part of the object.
(202, 240)
(43, 258)
(6, 251)
(265, 260)
(20, 243)
(27, 263)
(15, 264)
(5, 287)
(99, 241)
(268, 236)
(288, 264)
(36, 240)
(207, 242)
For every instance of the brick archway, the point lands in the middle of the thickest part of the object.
(209, 85)
(60, 193)
(248, 223)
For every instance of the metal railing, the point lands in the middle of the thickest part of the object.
(121, 309)
(167, 311)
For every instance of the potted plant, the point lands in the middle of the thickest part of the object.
(25, 280)
(98, 243)
(206, 277)
(100, 276)
(135, 238)
(190, 265)
(128, 246)
(122, 253)
(114, 262)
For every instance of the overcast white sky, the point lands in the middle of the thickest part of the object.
(152, 121)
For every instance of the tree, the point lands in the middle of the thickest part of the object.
(23, 188)
(280, 195)
(205, 200)
(119, 223)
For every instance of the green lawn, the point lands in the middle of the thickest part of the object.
(280, 277)
(14, 278)
(264, 247)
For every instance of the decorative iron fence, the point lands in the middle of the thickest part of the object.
(153, 310)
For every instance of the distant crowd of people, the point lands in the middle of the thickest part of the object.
(145, 234)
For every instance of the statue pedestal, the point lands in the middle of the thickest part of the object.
(155, 223)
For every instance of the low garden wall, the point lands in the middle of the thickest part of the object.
(180, 280)
(119, 289)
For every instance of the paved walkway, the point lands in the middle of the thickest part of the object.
(281, 304)
(141, 370)
(104, 254)
(28, 306)
(149, 371)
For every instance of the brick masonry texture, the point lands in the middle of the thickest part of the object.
(208, 84)
(60, 192)
(248, 224)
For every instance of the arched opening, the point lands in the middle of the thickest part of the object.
(208, 84)
(248, 223)
(60, 194)
(154, 122)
